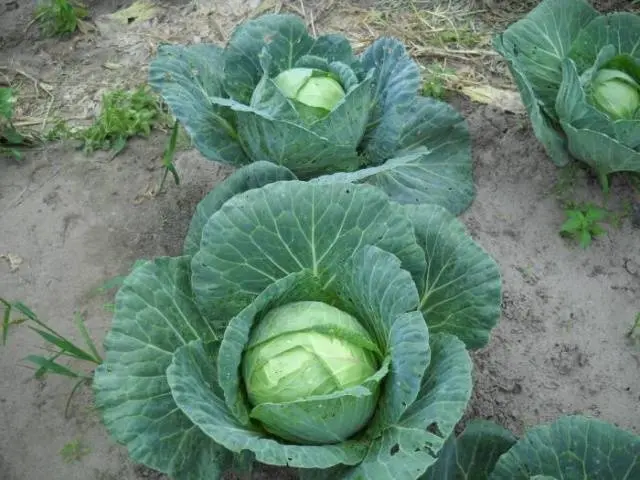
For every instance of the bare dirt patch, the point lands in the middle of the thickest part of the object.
(71, 222)
(561, 345)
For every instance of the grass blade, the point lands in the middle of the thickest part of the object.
(26, 311)
(79, 383)
(87, 338)
(6, 320)
(21, 307)
(42, 371)
(65, 345)
(48, 365)
(167, 157)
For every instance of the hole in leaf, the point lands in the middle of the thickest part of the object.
(433, 428)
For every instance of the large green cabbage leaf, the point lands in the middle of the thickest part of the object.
(415, 149)
(571, 447)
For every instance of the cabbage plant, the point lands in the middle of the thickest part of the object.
(318, 326)
(275, 93)
(572, 447)
(579, 76)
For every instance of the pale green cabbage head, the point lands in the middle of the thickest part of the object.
(312, 88)
(306, 349)
(616, 93)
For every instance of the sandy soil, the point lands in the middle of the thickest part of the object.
(71, 222)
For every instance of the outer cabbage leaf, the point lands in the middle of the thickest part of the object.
(603, 153)
(573, 106)
(537, 44)
(621, 30)
(406, 450)
(473, 454)
(154, 316)
(534, 48)
(432, 166)
(265, 234)
(460, 292)
(385, 299)
(188, 78)
(399, 454)
(544, 124)
(604, 145)
(628, 132)
(445, 389)
(254, 175)
(572, 447)
(396, 83)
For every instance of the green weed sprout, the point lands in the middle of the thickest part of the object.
(62, 346)
(583, 223)
(9, 136)
(124, 114)
(74, 450)
(59, 17)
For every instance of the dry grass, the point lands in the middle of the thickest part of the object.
(442, 35)
(445, 35)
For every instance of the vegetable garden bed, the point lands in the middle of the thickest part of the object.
(498, 315)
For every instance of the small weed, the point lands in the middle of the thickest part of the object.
(10, 138)
(73, 451)
(462, 37)
(167, 157)
(634, 333)
(124, 114)
(436, 80)
(59, 17)
(60, 130)
(583, 223)
(62, 347)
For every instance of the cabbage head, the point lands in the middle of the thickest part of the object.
(318, 326)
(579, 76)
(275, 93)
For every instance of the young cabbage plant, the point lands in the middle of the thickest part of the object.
(579, 76)
(571, 447)
(274, 93)
(318, 326)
